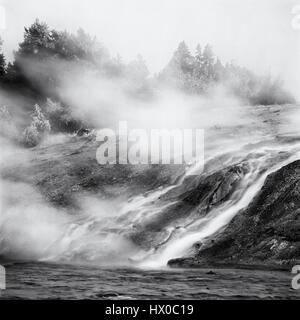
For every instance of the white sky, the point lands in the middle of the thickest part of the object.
(254, 33)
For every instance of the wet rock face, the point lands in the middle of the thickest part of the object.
(217, 187)
(204, 192)
(268, 231)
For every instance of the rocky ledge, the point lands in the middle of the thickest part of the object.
(265, 234)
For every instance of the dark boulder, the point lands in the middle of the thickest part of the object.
(266, 232)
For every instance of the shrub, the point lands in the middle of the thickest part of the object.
(37, 130)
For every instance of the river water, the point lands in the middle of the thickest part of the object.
(57, 281)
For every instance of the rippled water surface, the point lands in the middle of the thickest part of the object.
(50, 281)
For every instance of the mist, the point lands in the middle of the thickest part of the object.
(248, 33)
(33, 229)
(105, 102)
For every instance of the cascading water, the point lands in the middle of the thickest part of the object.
(216, 220)
(105, 240)
(149, 229)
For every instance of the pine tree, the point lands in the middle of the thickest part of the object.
(38, 128)
(204, 72)
(183, 59)
(179, 71)
(198, 56)
(38, 41)
(207, 67)
(198, 63)
(219, 71)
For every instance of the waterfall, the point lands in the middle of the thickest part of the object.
(216, 220)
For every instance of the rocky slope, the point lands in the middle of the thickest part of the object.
(64, 171)
(267, 232)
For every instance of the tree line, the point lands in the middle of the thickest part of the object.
(193, 73)
(203, 71)
(44, 53)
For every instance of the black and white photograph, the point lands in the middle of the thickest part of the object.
(149, 150)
